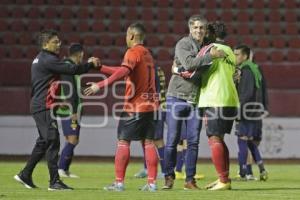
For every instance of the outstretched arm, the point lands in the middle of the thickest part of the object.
(109, 70)
(117, 75)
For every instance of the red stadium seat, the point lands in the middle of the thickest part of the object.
(259, 29)
(49, 25)
(227, 4)
(275, 29)
(98, 52)
(131, 3)
(115, 3)
(163, 27)
(263, 42)
(278, 42)
(115, 54)
(17, 26)
(98, 26)
(150, 27)
(50, 13)
(85, 2)
(31, 52)
(8, 38)
(38, 2)
(242, 4)
(66, 13)
(163, 55)
(147, 14)
(34, 26)
(231, 41)
(211, 15)
(294, 42)
(114, 14)
(274, 16)
(82, 26)
(15, 53)
(83, 13)
(98, 13)
(115, 26)
(152, 41)
(290, 16)
(70, 2)
(243, 29)
(162, 4)
(293, 56)
(66, 27)
(120, 41)
(211, 5)
(18, 12)
(131, 14)
(243, 16)
(106, 40)
(179, 15)
(90, 40)
(22, 2)
(180, 28)
(259, 16)
(274, 4)
(292, 4)
(72, 38)
(258, 4)
(34, 13)
(292, 29)
(26, 39)
(261, 56)
(3, 25)
(147, 4)
(227, 16)
(249, 41)
(194, 4)
(178, 4)
(163, 14)
(169, 41)
(277, 56)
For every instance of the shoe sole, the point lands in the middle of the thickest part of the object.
(51, 189)
(166, 188)
(17, 178)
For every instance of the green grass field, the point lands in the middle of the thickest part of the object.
(283, 184)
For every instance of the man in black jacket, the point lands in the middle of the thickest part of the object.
(253, 98)
(45, 71)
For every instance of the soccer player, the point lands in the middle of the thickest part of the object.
(159, 129)
(252, 95)
(219, 100)
(182, 102)
(141, 103)
(70, 125)
(45, 71)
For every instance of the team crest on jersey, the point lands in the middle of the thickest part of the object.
(36, 60)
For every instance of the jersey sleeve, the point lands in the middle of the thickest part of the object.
(130, 60)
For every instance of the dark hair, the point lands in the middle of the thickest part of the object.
(138, 27)
(194, 18)
(244, 49)
(75, 48)
(45, 36)
(219, 29)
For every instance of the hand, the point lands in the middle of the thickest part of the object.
(95, 61)
(217, 53)
(186, 74)
(237, 75)
(92, 89)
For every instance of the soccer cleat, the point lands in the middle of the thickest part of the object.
(199, 176)
(263, 176)
(240, 178)
(191, 185)
(250, 177)
(169, 182)
(141, 174)
(59, 185)
(179, 175)
(117, 187)
(212, 184)
(221, 186)
(66, 174)
(27, 182)
(149, 187)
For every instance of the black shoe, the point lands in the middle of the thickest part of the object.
(27, 182)
(59, 185)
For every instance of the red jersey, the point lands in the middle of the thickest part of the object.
(140, 92)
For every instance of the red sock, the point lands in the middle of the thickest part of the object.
(227, 156)
(121, 160)
(151, 158)
(218, 157)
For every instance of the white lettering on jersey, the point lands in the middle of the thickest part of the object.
(36, 60)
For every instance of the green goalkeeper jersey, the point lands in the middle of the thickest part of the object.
(217, 87)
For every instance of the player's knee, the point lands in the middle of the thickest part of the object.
(73, 140)
(243, 138)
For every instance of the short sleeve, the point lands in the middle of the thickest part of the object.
(130, 59)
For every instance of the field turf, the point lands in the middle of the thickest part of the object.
(283, 184)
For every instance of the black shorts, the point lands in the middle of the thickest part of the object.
(252, 129)
(136, 126)
(219, 120)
